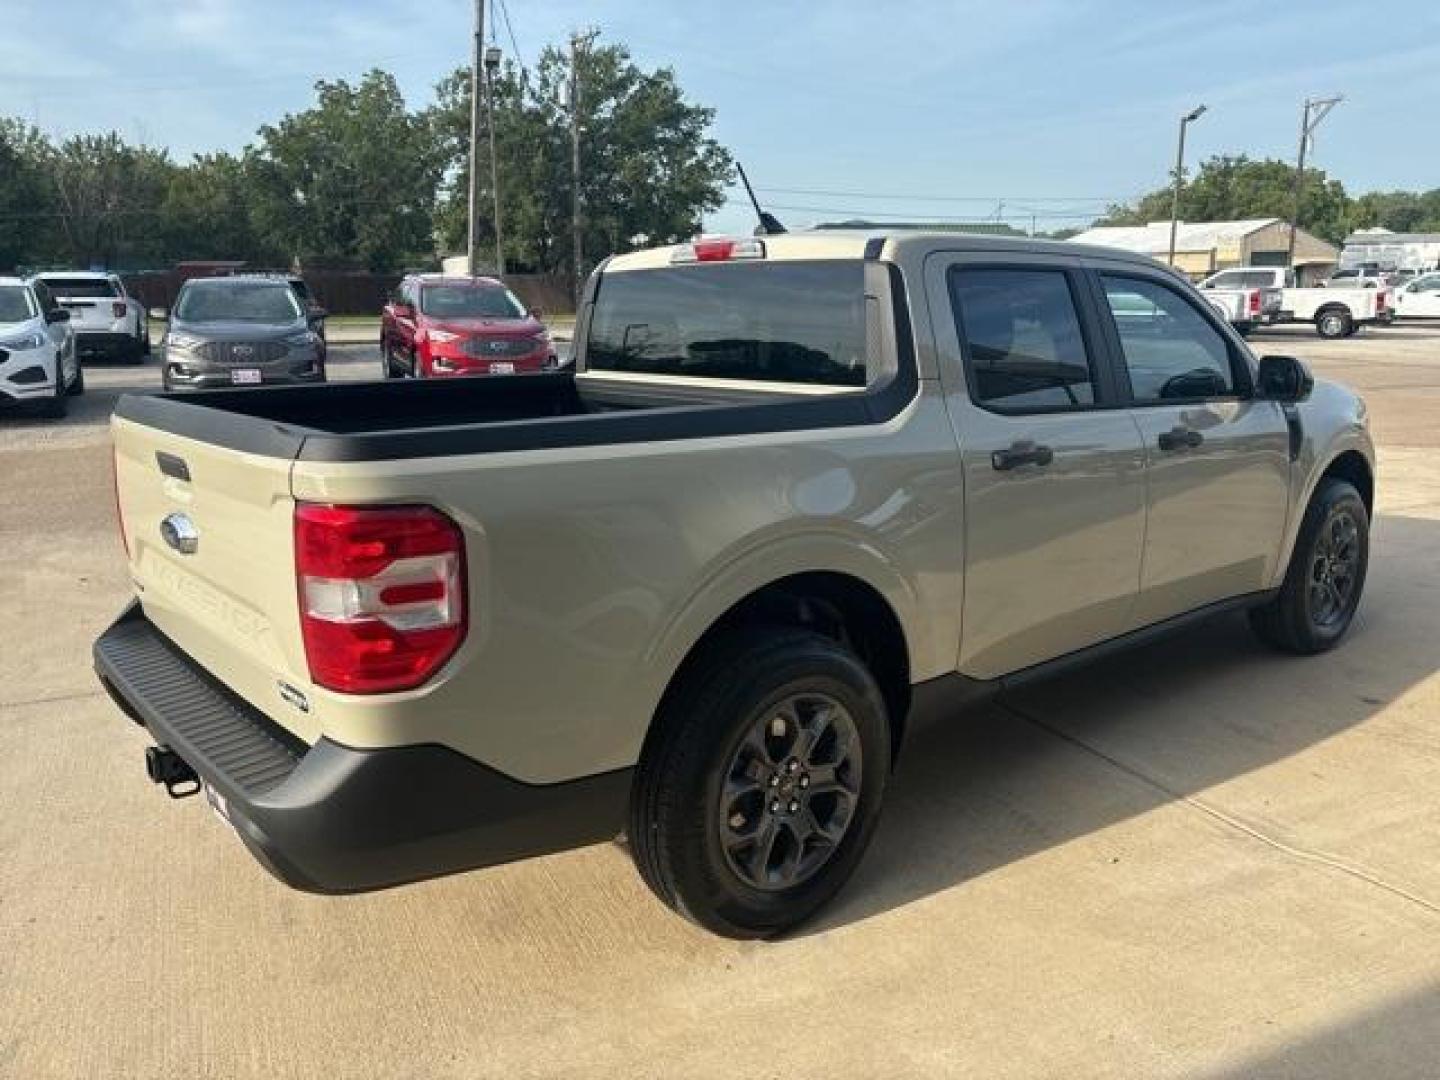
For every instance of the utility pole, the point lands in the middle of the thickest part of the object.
(1321, 109)
(1186, 120)
(577, 208)
(492, 61)
(473, 202)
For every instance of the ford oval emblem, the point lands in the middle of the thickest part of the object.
(179, 532)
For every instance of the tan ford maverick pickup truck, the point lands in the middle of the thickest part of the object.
(797, 492)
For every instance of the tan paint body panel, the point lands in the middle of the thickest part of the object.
(592, 573)
(593, 570)
(232, 604)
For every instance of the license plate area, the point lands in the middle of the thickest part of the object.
(502, 367)
(245, 376)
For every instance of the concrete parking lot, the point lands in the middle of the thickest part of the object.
(1198, 860)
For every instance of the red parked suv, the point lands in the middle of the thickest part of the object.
(438, 326)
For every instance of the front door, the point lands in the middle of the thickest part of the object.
(1053, 469)
(1421, 298)
(1218, 459)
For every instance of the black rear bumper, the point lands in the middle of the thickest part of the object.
(331, 819)
(105, 343)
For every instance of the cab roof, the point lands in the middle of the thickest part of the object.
(76, 275)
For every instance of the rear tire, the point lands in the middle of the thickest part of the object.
(1334, 322)
(761, 784)
(77, 384)
(1325, 579)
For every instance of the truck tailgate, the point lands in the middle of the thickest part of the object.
(209, 532)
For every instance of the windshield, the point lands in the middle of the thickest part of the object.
(261, 303)
(470, 302)
(15, 304)
(81, 287)
(800, 322)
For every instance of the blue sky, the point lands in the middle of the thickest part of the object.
(921, 109)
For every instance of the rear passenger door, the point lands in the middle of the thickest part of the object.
(1218, 461)
(1053, 464)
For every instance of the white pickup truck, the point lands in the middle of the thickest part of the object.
(1336, 313)
(1246, 308)
(107, 321)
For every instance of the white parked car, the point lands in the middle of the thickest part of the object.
(1420, 299)
(38, 362)
(107, 321)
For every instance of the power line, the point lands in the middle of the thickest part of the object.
(941, 198)
(510, 30)
(912, 215)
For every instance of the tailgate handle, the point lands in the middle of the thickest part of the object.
(172, 465)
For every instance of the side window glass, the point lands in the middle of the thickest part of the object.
(1171, 352)
(1024, 351)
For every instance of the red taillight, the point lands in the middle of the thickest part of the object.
(1254, 301)
(115, 487)
(718, 249)
(714, 250)
(382, 594)
(117, 309)
(1380, 298)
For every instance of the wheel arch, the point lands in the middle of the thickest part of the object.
(836, 603)
(1352, 466)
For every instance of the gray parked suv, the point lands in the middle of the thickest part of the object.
(240, 331)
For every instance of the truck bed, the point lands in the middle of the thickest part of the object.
(386, 420)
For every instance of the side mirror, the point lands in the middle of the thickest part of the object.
(160, 313)
(57, 315)
(1284, 379)
(537, 314)
(318, 312)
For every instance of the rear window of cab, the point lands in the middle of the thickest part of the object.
(786, 322)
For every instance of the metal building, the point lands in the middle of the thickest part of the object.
(1381, 249)
(1202, 248)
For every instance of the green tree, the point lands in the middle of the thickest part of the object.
(27, 204)
(352, 178)
(1233, 188)
(207, 213)
(649, 168)
(1398, 211)
(107, 198)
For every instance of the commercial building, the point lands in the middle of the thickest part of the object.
(1202, 248)
(1381, 249)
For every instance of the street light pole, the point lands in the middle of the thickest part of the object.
(473, 196)
(576, 205)
(492, 61)
(1321, 109)
(1185, 120)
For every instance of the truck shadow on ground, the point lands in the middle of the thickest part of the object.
(989, 787)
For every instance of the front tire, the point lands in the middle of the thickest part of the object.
(761, 785)
(1326, 576)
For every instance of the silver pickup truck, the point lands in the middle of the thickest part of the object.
(799, 493)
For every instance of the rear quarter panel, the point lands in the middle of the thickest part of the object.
(592, 572)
